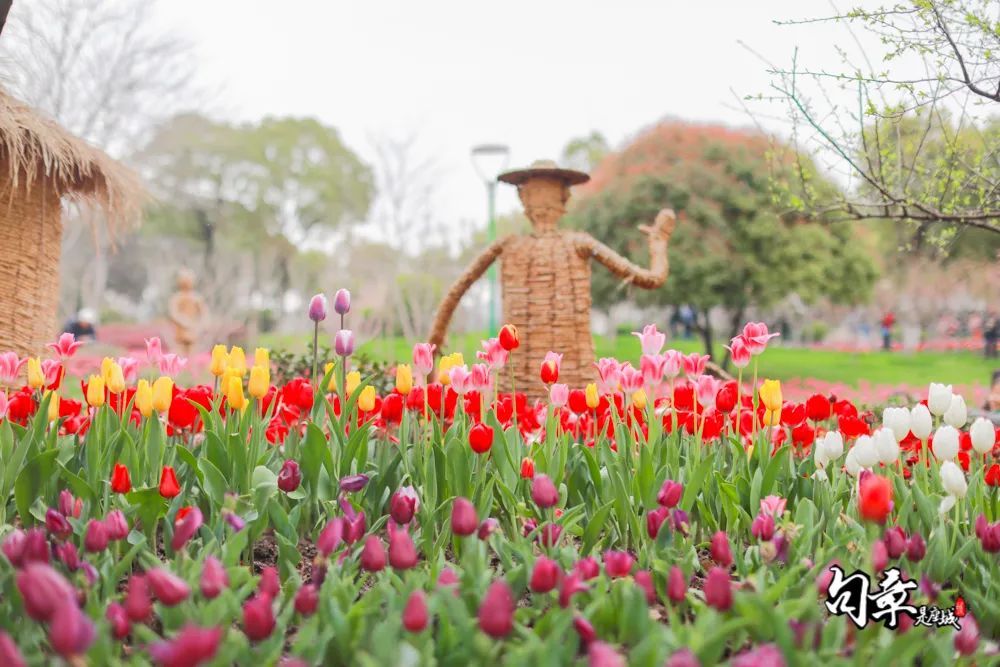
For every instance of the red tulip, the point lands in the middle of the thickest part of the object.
(677, 585)
(496, 611)
(373, 554)
(508, 337)
(549, 372)
(138, 604)
(392, 408)
(71, 632)
(167, 587)
(120, 480)
(402, 552)
(289, 477)
(269, 583)
(258, 618)
(875, 498)
(118, 619)
(186, 528)
(213, 578)
(992, 475)
(725, 399)
(644, 580)
(43, 590)
(618, 563)
(818, 408)
(306, 600)
(117, 525)
(544, 492)
(670, 493)
(463, 517)
(721, 553)
(527, 468)
(415, 612)
(481, 438)
(545, 575)
(578, 401)
(9, 653)
(191, 646)
(169, 488)
(96, 538)
(718, 589)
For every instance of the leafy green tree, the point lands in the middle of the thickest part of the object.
(733, 247)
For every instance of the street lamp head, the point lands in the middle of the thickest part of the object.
(489, 160)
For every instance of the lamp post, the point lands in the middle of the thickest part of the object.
(489, 160)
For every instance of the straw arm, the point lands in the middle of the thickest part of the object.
(658, 237)
(447, 308)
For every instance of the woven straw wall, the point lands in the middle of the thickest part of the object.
(30, 242)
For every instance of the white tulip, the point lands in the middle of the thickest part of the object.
(821, 458)
(983, 435)
(864, 451)
(886, 445)
(851, 464)
(946, 443)
(956, 415)
(939, 398)
(898, 420)
(953, 480)
(833, 444)
(946, 504)
(920, 421)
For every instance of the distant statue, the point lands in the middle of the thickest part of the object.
(186, 310)
(545, 277)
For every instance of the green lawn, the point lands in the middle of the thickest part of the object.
(778, 362)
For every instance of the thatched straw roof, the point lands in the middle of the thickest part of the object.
(35, 148)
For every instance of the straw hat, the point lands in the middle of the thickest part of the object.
(544, 168)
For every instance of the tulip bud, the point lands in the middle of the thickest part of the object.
(269, 583)
(117, 525)
(957, 414)
(544, 492)
(939, 398)
(260, 382)
(587, 568)
(880, 556)
(402, 505)
(921, 421)
(898, 421)
(138, 603)
(69, 556)
(584, 629)
(545, 575)
(415, 612)
(966, 640)
(487, 528)
(463, 517)
(402, 552)
(343, 343)
(71, 632)
(593, 399)
(670, 493)
(886, 445)
(600, 654)
(169, 487)
(373, 555)
(353, 380)
(144, 398)
(186, 528)
(527, 468)
(306, 600)
(508, 337)
(865, 452)
(618, 563)
(96, 538)
(720, 550)
(163, 394)
(404, 379)
(220, 360)
(167, 587)
(234, 393)
(258, 618)
(120, 480)
(983, 435)
(571, 585)
(43, 590)
(118, 619)
(677, 585)
(366, 399)
(718, 589)
(116, 379)
(36, 377)
(496, 611)
(213, 578)
(191, 646)
(654, 521)
(953, 479)
(95, 391)
(330, 537)
(644, 579)
(916, 548)
(290, 476)
(342, 302)
(57, 524)
(237, 361)
(895, 541)
(9, 653)
(317, 308)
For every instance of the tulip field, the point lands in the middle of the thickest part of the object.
(659, 516)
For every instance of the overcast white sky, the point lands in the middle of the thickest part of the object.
(528, 74)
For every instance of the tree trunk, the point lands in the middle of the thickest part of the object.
(706, 331)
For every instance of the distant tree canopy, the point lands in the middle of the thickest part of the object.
(732, 247)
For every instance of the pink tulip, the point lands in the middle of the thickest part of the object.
(880, 556)
(644, 580)
(739, 351)
(118, 619)
(967, 639)
(258, 618)
(415, 612)
(609, 375)
(154, 350)
(191, 646)
(650, 339)
(214, 579)
(464, 520)
(544, 492)
(56, 524)
(718, 589)
(65, 346)
(423, 359)
(186, 528)
(343, 343)
(653, 367)
(68, 556)
(587, 568)
(481, 380)
(71, 632)
(631, 379)
(43, 590)
(706, 388)
(9, 653)
(683, 658)
(52, 370)
(496, 612)
(673, 365)
(330, 537)
(460, 379)
(694, 364)
(558, 395)
(493, 354)
(342, 302)
(545, 575)
(4, 404)
(171, 365)
(584, 629)
(10, 369)
(117, 525)
(762, 526)
(756, 336)
(138, 604)
(69, 505)
(317, 308)
(168, 588)
(130, 369)
(773, 505)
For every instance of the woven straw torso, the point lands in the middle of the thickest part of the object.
(546, 295)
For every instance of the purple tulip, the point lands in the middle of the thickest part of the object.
(234, 520)
(317, 308)
(895, 541)
(342, 302)
(343, 343)
(916, 548)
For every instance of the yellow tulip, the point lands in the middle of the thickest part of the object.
(115, 379)
(238, 361)
(220, 360)
(53, 405)
(328, 370)
(404, 379)
(144, 398)
(353, 380)
(770, 394)
(366, 399)
(260, 381)
(448, 362)
(163, 394)
(593, 400)
(262, 357)
(106, 364)
(234, 394)
(639, 399)
(36, 378)
(772, 417)
(95, 391)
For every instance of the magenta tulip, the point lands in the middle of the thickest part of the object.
(118, 620)
(43, 590)
(373, 554)
(544, 492)
(96, 539)
(138, 603)
(306, 600)
(463, 517)
(402, 552)
(186, 528)
(496, 611)
(342, 302)
(71, 632)
(545, 575)
(167, 587)
(677, 585)
(258, 618)
(269, 583)
(718, 589)
(670, 494)
(117, 525)
(415, 612)
(289, 477)
(721, 553)
(10, 655)
(618, 563)
(191, 646)
(317, 308)
(214, 579)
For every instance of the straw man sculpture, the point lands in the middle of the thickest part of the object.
(186, 311)
(545, 278)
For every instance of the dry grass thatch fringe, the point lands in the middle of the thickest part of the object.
(35, 148)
